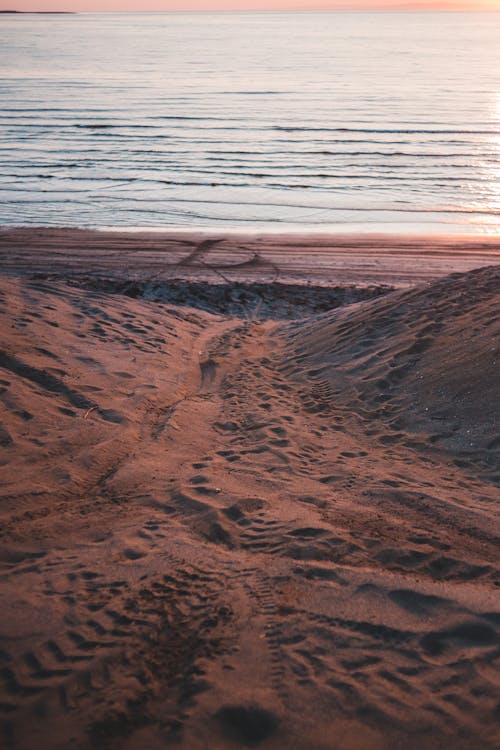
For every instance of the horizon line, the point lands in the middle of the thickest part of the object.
(8, 11)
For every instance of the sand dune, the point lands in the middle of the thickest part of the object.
(221, 532)
(424, 362)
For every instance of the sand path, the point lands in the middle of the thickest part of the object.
(205, 543)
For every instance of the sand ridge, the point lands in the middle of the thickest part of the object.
(231, 532)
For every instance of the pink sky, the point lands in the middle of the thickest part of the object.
(159, 5)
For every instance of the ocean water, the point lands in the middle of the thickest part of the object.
(276, 121)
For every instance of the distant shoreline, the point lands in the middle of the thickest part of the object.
(270, 11)
(39, 12)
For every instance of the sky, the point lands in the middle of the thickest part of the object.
(159, 5)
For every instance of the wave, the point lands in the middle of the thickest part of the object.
(392, 209)
(402, 131)
(247, 127)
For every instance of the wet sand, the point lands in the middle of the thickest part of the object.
(398, 260)
(235, 521)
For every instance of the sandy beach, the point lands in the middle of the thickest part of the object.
(249, 491)
(397, 260)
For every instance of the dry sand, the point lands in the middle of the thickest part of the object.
(225, 527)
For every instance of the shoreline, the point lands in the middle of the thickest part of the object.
(300, 258)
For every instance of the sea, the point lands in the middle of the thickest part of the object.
(251, 121)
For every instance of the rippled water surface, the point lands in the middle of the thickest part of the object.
(250, 120)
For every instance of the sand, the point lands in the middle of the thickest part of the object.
(397, 260)
(228, 523)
